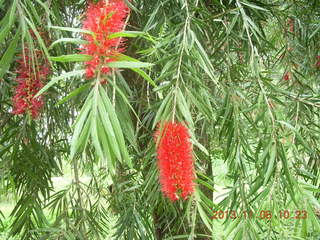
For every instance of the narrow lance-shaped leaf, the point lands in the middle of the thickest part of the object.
(93, 120)
(72, 58)
(106, 123)
(116, 126)
(9, 54)
(70, 29)
(130, 34)
(127, 64)
(7, 21)
(79, 125)
(68, 40)
(270, 164)
(56, 79)
(74, 93)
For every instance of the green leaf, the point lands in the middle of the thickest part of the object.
(3, 150)
(199, 145)
(125, 58)
(8, 55)
(183, 106)
(301, 139)
(8, 21)
(203, 214)
(314, 32)
(56, 79)
(270, 164)
(93, 119)
(144, 75)
(106, 145)
(106, 123)
(70, 29)
(34, 15)
(204, 62)
(291, 181)
(81, 125)
(310, 187)
(130, 34)
(116, 126)
(314, 219)
(159, 115)
(45, 7)
(253, 6)
(128, 2)
(68, 40)
(74, 93)
(39, 38)
(72, 58)
(125, 99)
(127, 64)
(197, 100)
(82, 139)
(265, 152)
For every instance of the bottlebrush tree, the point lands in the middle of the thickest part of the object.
(149, 104)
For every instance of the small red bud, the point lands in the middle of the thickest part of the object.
(286, 76)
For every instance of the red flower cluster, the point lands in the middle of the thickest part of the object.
(103, 18)
(175, 161)
(30, 77)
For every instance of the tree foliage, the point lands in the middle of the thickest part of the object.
(243, 75)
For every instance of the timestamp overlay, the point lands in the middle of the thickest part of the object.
(261, 214)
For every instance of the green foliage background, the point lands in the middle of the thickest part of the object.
(218, 66)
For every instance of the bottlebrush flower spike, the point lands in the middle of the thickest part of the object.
(29, 83)
(104, 18)
(291, 25)
(175, 161)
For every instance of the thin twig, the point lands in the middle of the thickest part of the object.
(180, 62)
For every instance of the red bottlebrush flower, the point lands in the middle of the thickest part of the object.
(29, 83)
(175, 161)
(286, 76)
(291, 25)
(103, 19)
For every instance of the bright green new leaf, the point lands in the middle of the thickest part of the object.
(72, 58)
